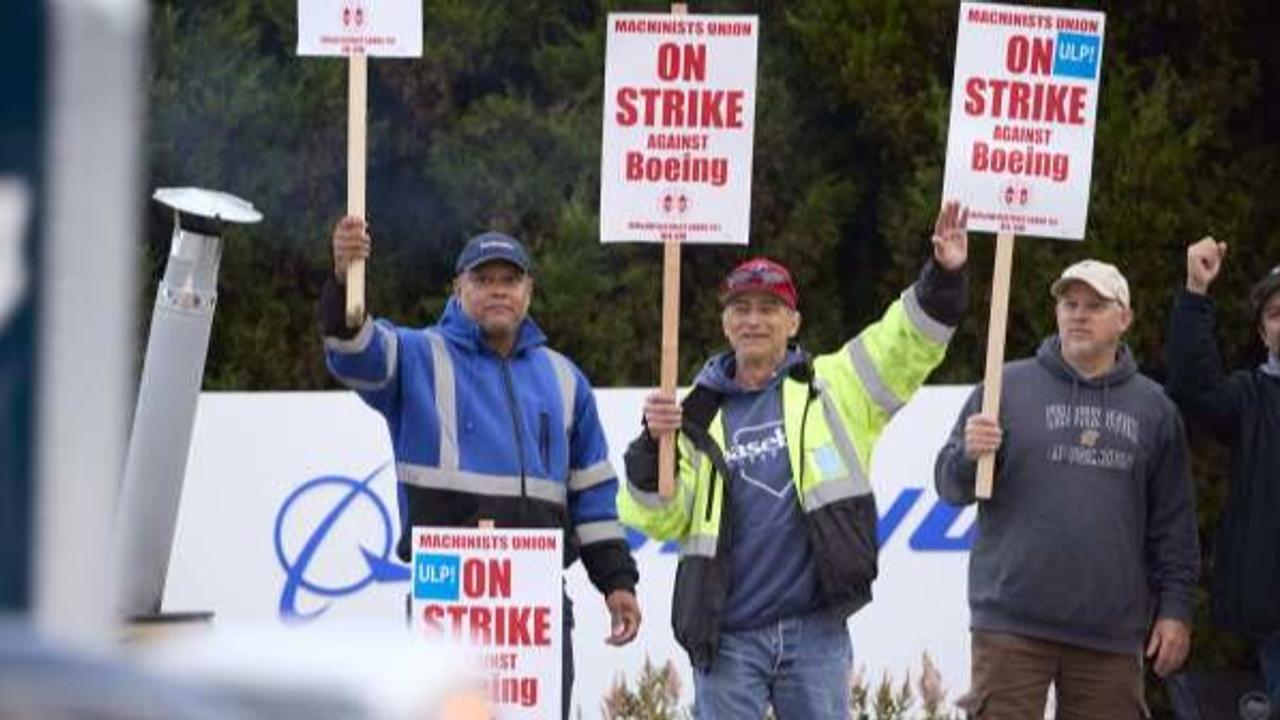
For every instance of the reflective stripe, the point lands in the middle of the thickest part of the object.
(351, 346)
(599, 531)
(831, 491)
(870, 377)
(929, 327)
(699, 546)
(365, 385)
(568, 387)
(479, 483)
(844, 444)
(591, 476)
(648, 499)
(446, 400)
(390, 348)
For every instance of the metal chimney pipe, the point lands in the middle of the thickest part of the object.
(171, 379)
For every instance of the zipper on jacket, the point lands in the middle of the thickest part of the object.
(711, 491)
(804, 458)
(515, 420)
(711, 494)
(544, 441)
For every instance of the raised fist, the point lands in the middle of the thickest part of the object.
(1204, 261)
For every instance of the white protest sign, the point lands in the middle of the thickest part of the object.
(385, 28)
(679, 119)
(501, 592)
(1023, 103)
(357, 29)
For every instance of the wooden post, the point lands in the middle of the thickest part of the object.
(670, 367)
(995, 352)
(357, 79)
(670, 356)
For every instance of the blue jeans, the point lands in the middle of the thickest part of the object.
(800, 665)
(1269, 659)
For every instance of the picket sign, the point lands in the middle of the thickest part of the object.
(356, 29)
(1024, 103)
(676, 154)
(498, 594)
(669, 368)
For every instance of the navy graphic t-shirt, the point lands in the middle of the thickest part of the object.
(773, 574)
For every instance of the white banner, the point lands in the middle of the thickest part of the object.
(679, 119)
(289, 513)
(500, 592)
(1023, 106)
(383, 28)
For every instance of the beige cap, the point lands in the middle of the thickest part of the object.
(1104, 278)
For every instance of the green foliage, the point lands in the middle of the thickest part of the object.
(498, 125)
(891, 705)
(656, 695)
(657, 692)
(887, 701)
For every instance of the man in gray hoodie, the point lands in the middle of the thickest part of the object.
(1087, 550)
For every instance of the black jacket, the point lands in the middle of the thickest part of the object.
(842, 535)
(1243, 411)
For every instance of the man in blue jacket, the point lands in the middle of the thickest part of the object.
(486, 421)
(1086, 554)
(1243, 411)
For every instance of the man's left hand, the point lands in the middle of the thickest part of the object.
(624, 617)
(1169, 644)
(950, 236)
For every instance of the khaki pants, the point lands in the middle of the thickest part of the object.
(1011, 676)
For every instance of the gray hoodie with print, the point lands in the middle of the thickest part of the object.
(1091, 528)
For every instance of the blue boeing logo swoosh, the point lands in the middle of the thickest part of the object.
(936, 532)
(381, 567)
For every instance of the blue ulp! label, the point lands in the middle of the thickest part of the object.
(435, 577)
(1077, 55)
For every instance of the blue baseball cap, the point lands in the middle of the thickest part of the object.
(491, 246)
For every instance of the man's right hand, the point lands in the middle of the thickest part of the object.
(661, 414)
(982, 435)
(351, 241)
(1204, 262)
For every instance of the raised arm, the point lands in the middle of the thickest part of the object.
(878, 371)
(364, 359)
(1196, 381)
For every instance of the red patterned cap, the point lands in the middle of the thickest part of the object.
(760, 275)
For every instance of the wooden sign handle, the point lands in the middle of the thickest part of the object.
(995, 353)
(670, 357)
(357, 79)
(670, 367)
